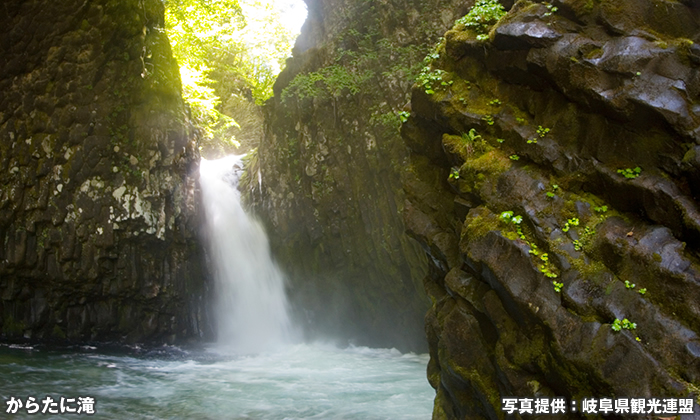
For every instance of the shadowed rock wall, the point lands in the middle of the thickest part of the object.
(554, 184)
(326, 180)
(97, 165)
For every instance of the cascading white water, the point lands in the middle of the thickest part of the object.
(251, 305)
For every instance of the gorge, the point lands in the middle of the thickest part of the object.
(517, 197)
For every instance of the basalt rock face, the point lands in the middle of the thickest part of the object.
(326, 178)
(97, 209)
(554, 184)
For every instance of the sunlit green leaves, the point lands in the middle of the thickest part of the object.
(225, 48)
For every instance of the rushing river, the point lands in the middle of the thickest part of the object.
(258, 370)
(302, 381)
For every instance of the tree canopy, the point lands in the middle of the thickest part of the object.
(227, 50)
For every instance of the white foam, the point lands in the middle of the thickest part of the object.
(251, 305)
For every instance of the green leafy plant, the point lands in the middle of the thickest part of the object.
(550, 9)
(430, 79)
(533, 250)
(466, 144)
(557, 286)
(643, 291)
(495, 102)
(601, 209)
(626, 324)
(482, 16)
(404, 116)
(542, 131)
(514, 157)
(500, 140)
(506, 215)
(630, 173)
(571, 222)
(520, 120)
(488, 119)
(454, 174)
(629, 285)
(532, 141)
(577, 245)
(471, 136)
(550, 194)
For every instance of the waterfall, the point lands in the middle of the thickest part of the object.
(251, 306)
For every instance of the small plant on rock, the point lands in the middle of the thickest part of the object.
(629, 285)
(550, 9)
(626, 324)
(482, 16)
(571, 222)
(630, 173)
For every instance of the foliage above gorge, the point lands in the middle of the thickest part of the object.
(228, 50)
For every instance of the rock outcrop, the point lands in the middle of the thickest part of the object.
(554, 184)
(326, 177)
(97, 167)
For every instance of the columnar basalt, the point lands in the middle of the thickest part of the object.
(98, 163)
(553, 183)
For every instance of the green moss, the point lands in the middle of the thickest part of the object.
(593, 54)
(481, 383)
(479, 222)
(465, 146)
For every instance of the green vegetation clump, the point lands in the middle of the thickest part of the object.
(224, 56)
(431, 79)
(329, 82)
(482, 16)
(630, 173)
(626, 324)
(466, 145)
(365, 65)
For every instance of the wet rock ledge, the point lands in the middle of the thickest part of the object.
(554, 185)
(97, 207)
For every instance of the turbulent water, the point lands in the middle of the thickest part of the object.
(255, 371)
(301, 381)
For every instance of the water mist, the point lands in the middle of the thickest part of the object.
(251, 308)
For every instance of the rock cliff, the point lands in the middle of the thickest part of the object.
(554, 184)
(326, 177)
(97, 165)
